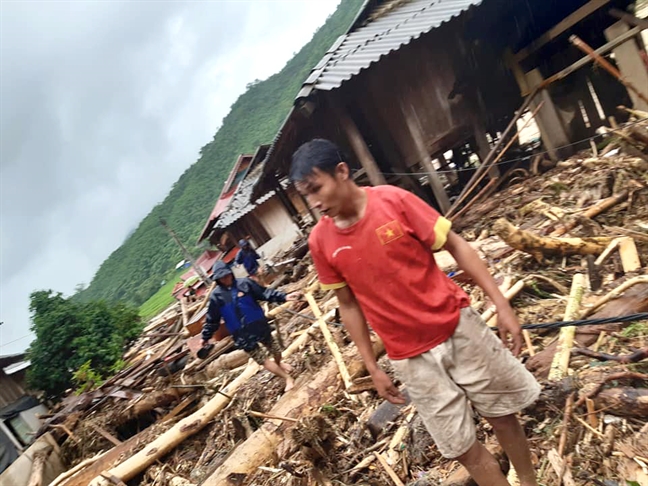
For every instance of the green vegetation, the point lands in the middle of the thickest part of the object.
(76, 342)
(161, 299)
(635, 330)
(133, 272)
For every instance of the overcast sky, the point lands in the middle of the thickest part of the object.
(103, 105)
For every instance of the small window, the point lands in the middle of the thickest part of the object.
(21, 430)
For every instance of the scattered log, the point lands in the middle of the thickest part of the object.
(546, 245)
(624, 375)
(38, 466)
(157, 399)
(560, 361)
(307, 396)
(624, 401)
(187, 426)
(227, 361)
(592, 212)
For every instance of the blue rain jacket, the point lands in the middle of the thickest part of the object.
(238, 306)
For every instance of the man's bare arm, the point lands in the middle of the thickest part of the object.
(356, 325)
(469, 261)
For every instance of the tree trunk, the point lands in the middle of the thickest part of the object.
(228, 361)
(38, 466)
(546, 245)
(626, 401)
(303, 400)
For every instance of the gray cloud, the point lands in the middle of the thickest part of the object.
(103, 106)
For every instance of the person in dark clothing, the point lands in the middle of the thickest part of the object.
(247, 257)
(236, 302)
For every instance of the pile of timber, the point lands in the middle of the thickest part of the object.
(566, 244)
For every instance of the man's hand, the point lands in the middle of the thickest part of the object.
(386, 387)
(508, 323)
(293, 296)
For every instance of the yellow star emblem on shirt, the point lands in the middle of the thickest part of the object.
(389, 232)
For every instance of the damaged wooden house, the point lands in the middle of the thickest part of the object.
(271, 221)
(417, 93)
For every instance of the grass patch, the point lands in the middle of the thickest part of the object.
(162, 298)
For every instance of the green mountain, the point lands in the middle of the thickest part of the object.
(136, 269)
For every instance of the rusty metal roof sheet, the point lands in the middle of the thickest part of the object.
(388, 27)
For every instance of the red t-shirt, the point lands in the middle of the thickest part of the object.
(387, 260)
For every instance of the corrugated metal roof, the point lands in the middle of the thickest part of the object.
(389, 26)
(241, 204)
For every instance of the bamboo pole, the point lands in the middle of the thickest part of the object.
(328, 337)
(560, 361)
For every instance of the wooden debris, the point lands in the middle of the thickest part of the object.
(301, 401)
(629, 255)
(538, 246)
(38, 466)
(390, 472)
(188, 426)
(643, 279)
(328, 337)
(560, 361)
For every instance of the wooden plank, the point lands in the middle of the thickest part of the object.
(106, 435)
(569, 21)
(629, 255)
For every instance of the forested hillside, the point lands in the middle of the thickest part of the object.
(135, 270)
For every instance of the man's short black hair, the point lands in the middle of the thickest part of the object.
(317, 154)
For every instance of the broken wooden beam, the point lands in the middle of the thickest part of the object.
(546, 245)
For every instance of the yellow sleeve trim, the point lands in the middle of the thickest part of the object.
(441, 232)
(333, 286)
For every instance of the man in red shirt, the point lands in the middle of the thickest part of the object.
(375, 247)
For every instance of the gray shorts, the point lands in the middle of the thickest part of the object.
(472, 366)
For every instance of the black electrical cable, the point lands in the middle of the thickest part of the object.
(642, 316)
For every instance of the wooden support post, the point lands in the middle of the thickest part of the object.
(424, 156)
(357, 142)
(551, 126)
(628, 58)
(560, 361)
(484, 148)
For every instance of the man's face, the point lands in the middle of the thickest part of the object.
(324, 191)
(226, 281)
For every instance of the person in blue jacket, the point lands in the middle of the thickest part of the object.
(247, 257)
(236, 302)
